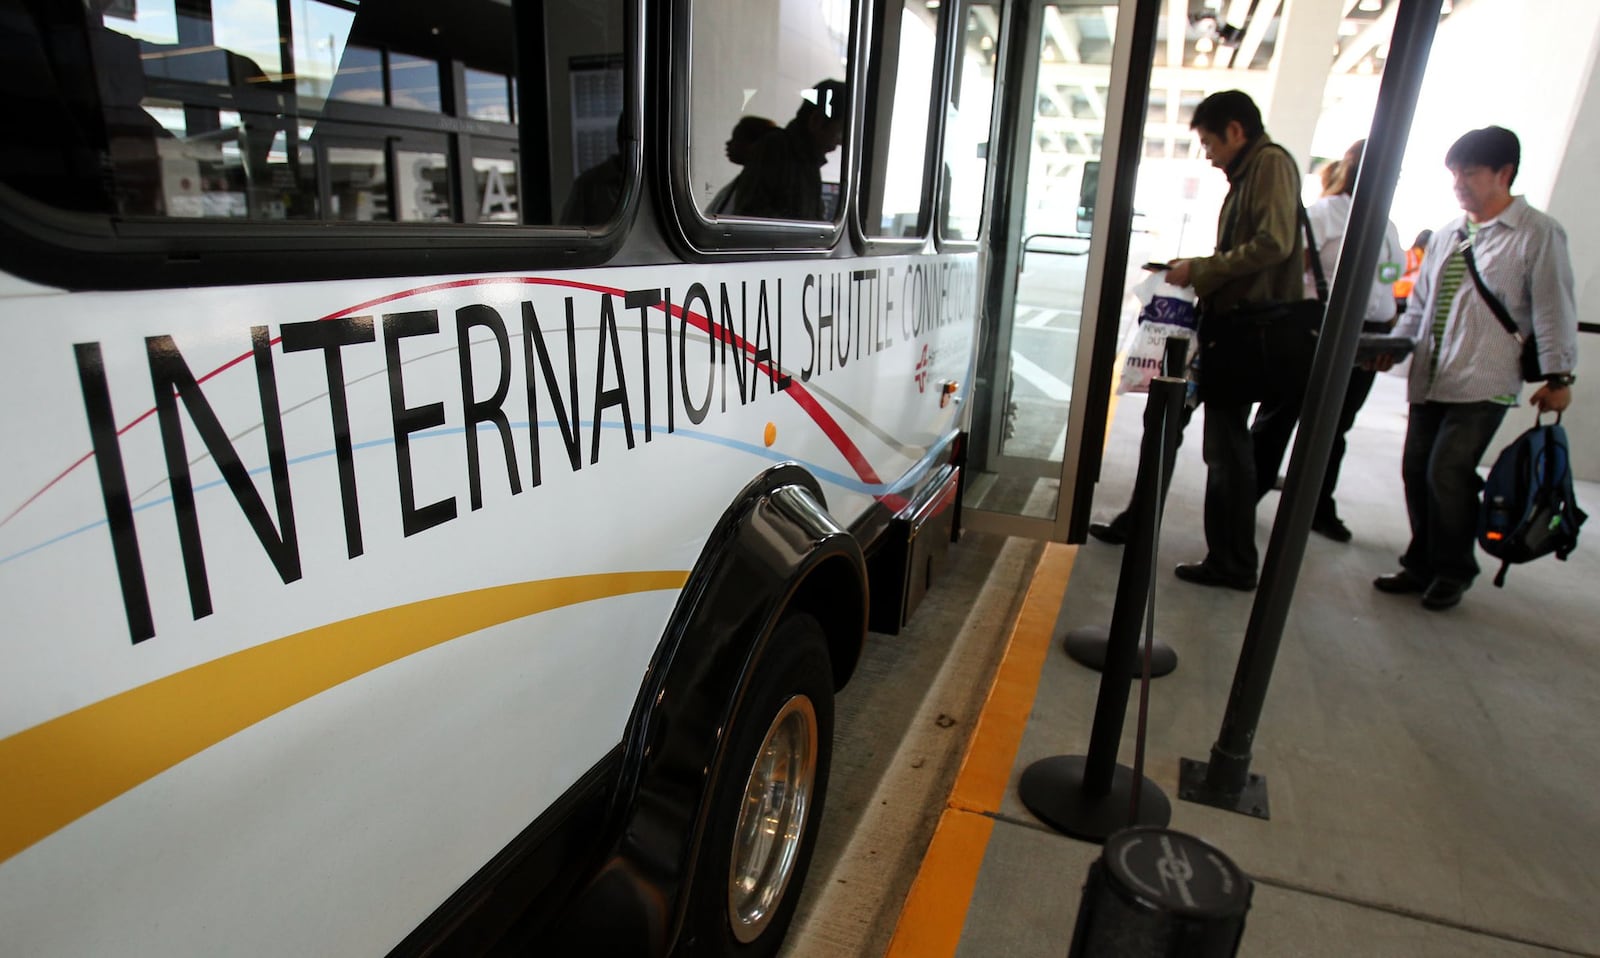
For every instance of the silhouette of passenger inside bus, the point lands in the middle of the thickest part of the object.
(597, 192)
(783, 180)
(740, 150)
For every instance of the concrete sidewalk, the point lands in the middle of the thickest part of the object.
(1432, 776)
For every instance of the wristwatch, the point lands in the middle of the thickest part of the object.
(1560, 380)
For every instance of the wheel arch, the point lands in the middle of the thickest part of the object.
(775, 550)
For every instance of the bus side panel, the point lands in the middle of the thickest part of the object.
(315, 596)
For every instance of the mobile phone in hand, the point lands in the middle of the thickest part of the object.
(1155, 267)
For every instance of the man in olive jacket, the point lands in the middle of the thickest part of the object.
(1259, 260)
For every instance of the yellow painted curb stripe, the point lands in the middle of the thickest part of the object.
(936, 909)
(930, 924)
(986, 771)
(61, 770)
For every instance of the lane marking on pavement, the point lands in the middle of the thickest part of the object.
(1047, 316)
(1044, 381)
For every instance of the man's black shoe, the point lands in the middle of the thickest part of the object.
(1404, 582)
(1442, 594)
(1204, 573)
(1109, 532)
(1331, 527)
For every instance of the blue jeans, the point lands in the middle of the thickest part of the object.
(1444, 442)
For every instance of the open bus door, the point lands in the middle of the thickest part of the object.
(1045, 358)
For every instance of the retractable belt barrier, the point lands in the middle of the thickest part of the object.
(1087, 645)
(1091, 796)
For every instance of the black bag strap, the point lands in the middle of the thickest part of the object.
(1311, 238)
(1305, 224)
(1313, 253)
(1495, 306)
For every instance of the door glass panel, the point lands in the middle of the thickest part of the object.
(1033, 352)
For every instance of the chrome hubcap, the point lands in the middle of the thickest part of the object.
(772, 819)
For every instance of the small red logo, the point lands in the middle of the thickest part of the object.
(922, 370)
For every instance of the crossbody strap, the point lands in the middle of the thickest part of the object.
(1312, 253)
(1495, 306)
(1305, 224)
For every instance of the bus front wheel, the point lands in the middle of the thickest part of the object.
(768, 804)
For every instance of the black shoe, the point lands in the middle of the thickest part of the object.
(1404, 582)
(1109, 532)
(1442, 594)
(1204, 573)
(1331, 527)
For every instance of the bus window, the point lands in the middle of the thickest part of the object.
(319, 110)
(966, 145)
(769, 109)
(892, 205)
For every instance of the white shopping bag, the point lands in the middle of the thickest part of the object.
(1142, 353)
(1162, 302)
(1165, 311)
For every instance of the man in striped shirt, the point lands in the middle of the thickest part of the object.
(1465, 372)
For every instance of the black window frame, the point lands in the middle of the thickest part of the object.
(933, 145)
(957, 39)
(698, 238)
(44, 244)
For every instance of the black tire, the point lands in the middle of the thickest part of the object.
(792, 681)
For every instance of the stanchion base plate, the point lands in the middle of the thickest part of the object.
(1052, 788)
(1087, 646)
(1192, 787)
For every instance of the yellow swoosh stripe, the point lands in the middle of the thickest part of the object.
(63, 769)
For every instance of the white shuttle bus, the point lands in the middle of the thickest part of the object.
(453, 455)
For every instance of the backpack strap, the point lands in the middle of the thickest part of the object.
(1500, 577)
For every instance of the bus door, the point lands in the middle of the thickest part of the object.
(1063, 76)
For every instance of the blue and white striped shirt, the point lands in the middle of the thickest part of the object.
(1522, 256)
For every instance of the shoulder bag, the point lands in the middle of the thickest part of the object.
(1260, 352)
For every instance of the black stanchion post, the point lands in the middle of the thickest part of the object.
(1090, 796)
(1226, 781)
(1176, 358)
(1087, 645)
(1159, 893)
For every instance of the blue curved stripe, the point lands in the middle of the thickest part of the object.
(828, 475)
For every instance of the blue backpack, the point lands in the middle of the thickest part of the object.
(1528, 506)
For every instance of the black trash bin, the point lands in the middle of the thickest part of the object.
(1159, 893)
